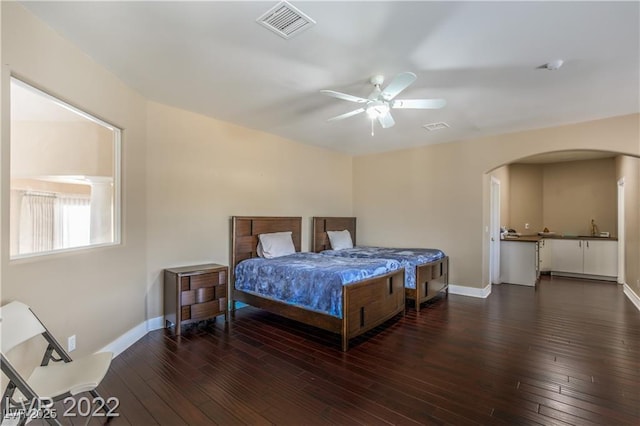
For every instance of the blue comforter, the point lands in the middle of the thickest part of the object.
(309, 280)
(409, 258)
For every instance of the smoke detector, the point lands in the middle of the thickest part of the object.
(285, 20)
(553, 65)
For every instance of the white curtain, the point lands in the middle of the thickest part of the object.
(49, 221)
(37, 222)
(74, 221)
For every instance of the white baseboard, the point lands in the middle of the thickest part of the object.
(121, 344)
(130, 337)
(482, 293)
(635, 299)
(138, 332)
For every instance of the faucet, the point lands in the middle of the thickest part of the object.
(594, 228)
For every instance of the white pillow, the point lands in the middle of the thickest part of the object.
(340, 239)
(275, 244)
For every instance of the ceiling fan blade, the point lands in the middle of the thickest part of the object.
(386, 120)
(419, 103)
(344, 96)
(398, 84)
(347, 115)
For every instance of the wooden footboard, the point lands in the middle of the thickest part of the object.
(431, 279)
(369, 303)
(365, 305)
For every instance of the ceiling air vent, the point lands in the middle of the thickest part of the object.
(285, 20)
(436, 126)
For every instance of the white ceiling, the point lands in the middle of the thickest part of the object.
(482, 57)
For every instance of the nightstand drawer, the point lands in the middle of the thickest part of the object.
(184, 283)
(221, 291)
(203, 280)
(188, 298)
(205, 310)
(185, 313)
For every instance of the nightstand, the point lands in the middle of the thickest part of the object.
(195, 293)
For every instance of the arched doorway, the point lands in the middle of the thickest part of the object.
(559, 160)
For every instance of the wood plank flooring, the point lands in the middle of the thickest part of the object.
(566, 352)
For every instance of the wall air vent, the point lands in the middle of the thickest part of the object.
(285, 20)
(436, 126)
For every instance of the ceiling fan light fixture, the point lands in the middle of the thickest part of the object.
(379, 103)
(377, 109)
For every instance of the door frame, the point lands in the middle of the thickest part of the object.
(621, 233)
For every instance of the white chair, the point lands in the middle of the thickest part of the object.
(57, 377)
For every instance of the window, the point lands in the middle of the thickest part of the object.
(65, 167)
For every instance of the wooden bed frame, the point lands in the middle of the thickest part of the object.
(431, 278)
(365, 304)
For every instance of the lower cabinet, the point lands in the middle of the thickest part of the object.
(584, 256)
(567, 256)
(544, 254)
(601, 258)
(519, 262)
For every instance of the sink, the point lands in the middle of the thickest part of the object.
(591, 236)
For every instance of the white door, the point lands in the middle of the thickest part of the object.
(494, 233)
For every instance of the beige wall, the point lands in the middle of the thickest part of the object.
(63, 148)
(202, 171)
(526, 198)
(564, 197)
(425, 197)
(96, 294)
(578, 191)
(439, 195)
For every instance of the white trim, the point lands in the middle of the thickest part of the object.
(621, 233)
(584, 276)
(482, 293)
(635, 299)
(130, 337)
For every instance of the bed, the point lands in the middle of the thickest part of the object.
(427, 270)
(362, 304)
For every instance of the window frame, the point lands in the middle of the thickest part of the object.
(117, 169)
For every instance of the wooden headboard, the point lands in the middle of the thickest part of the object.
(323, 224)
(245, 231)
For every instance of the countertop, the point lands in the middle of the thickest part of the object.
(536, 238)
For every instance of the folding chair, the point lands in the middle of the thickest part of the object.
(49, 382)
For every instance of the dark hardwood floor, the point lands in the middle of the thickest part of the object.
(566, 352)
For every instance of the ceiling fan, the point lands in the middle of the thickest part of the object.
(379, 103)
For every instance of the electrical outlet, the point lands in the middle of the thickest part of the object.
(71, 343)
(526, 226)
